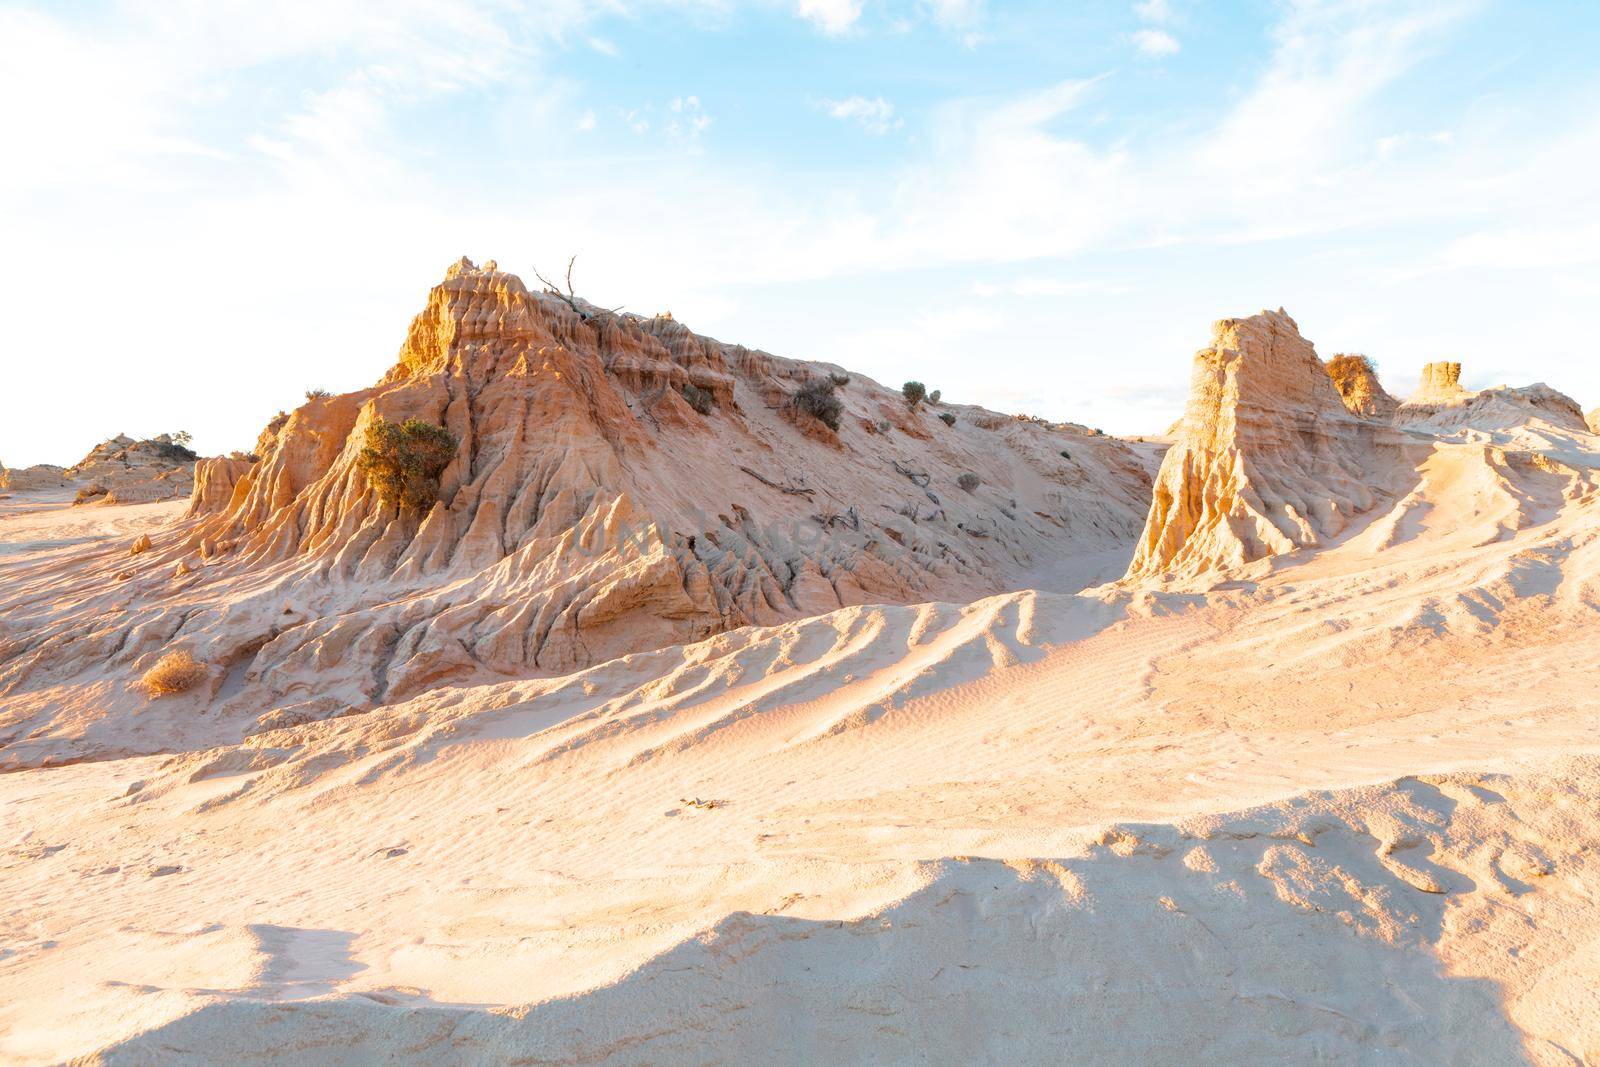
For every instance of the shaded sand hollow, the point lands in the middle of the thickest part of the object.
(1296, 763)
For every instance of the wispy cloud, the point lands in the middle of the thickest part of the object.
(963, 18)
(686, 120)
(830, 16)
(1156, 43)
(165, 140)
(1152, 42)
(875, 115)
(1331, 59)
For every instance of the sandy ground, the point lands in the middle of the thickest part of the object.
(1342, 808)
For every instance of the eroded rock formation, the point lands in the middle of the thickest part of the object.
(590, 512)
(1357, 382)
(1268, 458)
(1442, 404)
(120, 470)
(39, 476)
(1440, 383)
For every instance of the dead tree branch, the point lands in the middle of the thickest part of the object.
(792, 490)
(570, 295)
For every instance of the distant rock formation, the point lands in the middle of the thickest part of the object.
(590, 511)
(1268, 457)
(1357, 381)
(1593, 419)
(39, 476)
(123, 470)
(1441, 404)
(120, 470)
(1440, 384)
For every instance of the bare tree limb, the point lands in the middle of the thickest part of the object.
(570, 295)
(792, 490)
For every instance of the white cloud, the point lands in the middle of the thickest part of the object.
(875, 115)
(1330, 61)
(960, 17)
(636, 119)
(832, 17)
(1156, 43)
(1153, 10)
(686, 120)
(126, 177)
(1045, 286)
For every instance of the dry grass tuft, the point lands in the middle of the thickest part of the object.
(173, 673)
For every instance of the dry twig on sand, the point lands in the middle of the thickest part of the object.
(792, 490)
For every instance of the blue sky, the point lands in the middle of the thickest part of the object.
(213, 205)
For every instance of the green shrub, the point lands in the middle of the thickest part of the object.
(403, 461)
(816, 399)
(969, 481)
(933, 397)
(949, 419)
(914, 392)
(699, 399)
(839, 380)
(317, 394)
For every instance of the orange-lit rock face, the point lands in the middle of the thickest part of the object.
(1360, 389)
(1267, 457)
(1440, 381)
(589, 512)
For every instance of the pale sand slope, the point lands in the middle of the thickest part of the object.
(1341, 807)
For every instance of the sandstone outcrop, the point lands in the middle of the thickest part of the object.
(1357, 382)
(1267, 459)
(1593, 419)
(1440, 384)
(123, 470)
(1441, 405)
(215, 479)
(590, 512)
(40, 476)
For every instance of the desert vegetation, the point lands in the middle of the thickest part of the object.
(816, 399)
(1347, 363)
(914, 392)
(969, 481)
(174, 672)
(699, 399)
(403, 461)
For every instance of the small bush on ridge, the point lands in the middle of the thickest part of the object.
(403, 461)
(816, 399)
